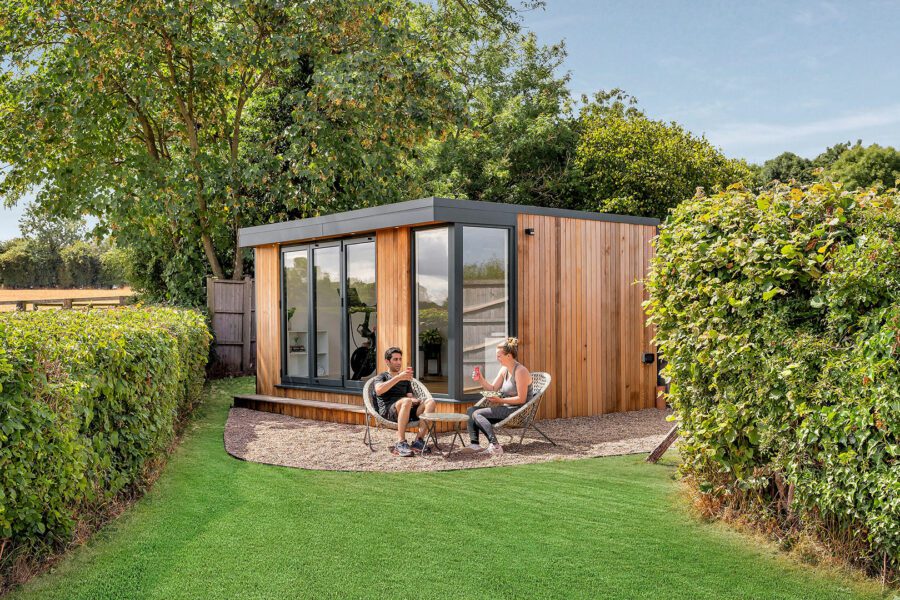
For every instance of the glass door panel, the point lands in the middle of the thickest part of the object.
(361, 360)
(432, 277)
(485, 300)
(296, 295)
(328, 315)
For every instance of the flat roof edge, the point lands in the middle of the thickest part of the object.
(411, 212)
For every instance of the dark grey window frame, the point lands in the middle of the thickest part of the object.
(454, 301)
(312, 382)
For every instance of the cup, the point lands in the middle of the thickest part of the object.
(477, 372)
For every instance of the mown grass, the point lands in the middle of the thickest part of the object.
(217, 527)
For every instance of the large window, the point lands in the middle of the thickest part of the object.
(432, 308)
(485, 300)
(462, 305)
(329, 313)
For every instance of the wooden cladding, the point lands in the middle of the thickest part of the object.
(580, 316)
(393, 281)
(268, 319)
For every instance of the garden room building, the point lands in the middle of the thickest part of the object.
(447, 280)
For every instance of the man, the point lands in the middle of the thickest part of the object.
(395, 401)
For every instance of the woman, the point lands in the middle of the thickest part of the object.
(514, 384)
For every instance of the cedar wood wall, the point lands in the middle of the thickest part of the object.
(579, 313)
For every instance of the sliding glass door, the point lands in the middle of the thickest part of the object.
(329, 313)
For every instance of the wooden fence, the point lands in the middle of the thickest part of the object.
(67, 303)
(232, 311)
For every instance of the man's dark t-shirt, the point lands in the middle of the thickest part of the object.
(384, 401)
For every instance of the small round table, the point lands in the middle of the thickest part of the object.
(431, 421)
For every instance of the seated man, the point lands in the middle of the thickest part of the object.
(395, 401)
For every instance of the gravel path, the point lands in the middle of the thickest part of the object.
(281, 440)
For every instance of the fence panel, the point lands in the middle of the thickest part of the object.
(232, 309)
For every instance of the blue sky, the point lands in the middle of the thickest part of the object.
(757, 78)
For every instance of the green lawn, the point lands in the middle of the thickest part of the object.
(217, 527)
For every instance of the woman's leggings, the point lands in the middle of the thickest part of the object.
(483, 419)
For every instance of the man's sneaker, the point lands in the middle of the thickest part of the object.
(403, 449)
(495, 449)
(418, 445)
(472, 449)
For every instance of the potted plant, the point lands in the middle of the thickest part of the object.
(431, 341)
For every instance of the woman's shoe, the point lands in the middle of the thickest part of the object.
(495, 450)
(472, 449)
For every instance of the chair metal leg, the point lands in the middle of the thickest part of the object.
(544, 435)
(367, 436)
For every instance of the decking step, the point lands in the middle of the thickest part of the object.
(243, 400)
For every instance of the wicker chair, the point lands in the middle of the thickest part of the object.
(419, 391)
(524, 417)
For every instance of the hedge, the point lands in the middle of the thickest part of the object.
(87, 400)
(779, 315)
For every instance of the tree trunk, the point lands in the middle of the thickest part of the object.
(663, 445)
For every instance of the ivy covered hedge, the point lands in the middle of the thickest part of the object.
(779, 314)
(88, 400)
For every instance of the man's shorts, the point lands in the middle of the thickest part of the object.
(391, 412)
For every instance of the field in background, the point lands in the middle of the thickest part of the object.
(57, 294)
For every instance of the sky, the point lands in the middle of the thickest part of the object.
(756, 78)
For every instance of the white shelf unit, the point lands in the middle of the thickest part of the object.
(298, 365)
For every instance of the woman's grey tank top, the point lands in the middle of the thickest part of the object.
(508, 388)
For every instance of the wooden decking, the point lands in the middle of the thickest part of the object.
(320, 410)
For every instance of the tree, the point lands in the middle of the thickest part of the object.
(50, 230)
(635, 165)
(831, 154)
(867, 166)
(517, 143)
(152, 115)
(786, 167)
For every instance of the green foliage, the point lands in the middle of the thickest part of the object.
(786, 167)
(80, 265)
(176, 124)
(831, 154)
(87, 400)
(779, 315)
(26, 263)
(867, 166)
(517, 141)
(638, 166)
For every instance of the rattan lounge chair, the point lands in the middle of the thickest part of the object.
(524, 417)
(372, 414)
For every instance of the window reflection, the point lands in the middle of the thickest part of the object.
(485, 301)
(296, 286)
(432, 295)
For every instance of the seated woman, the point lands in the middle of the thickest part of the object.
(512, 378)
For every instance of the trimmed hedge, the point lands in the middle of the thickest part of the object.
(779, 315)
(87, 401)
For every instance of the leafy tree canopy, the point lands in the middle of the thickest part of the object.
(786, 167)
(867, 166)
(156, 116)
(635, 165)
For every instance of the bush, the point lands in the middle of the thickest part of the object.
(87, 401)
(779, 315)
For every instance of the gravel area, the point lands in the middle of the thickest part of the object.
(281, 440)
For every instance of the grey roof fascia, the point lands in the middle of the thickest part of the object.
(448, 209)
(354, 221)
(413, 212)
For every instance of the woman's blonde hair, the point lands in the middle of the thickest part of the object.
(510, 346)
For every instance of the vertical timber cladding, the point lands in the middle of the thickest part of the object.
(268, 319)
(580, 313)
(393, 280)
